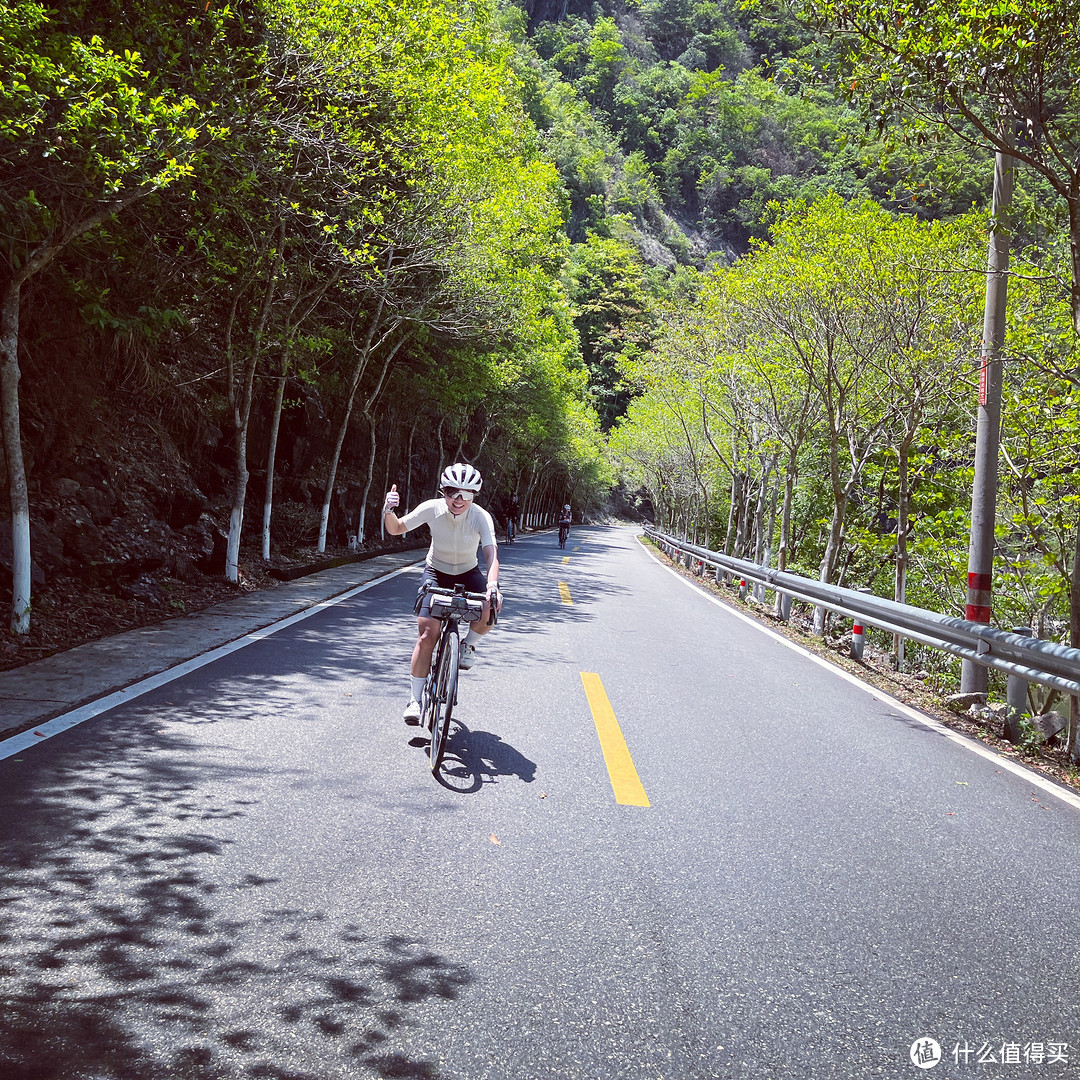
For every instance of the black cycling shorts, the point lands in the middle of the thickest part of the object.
(473, 580)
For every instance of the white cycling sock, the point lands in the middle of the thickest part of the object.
(473, 638)
(417, 687)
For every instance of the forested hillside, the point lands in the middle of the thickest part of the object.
(810, 397)
(263, 259)
(258, 262)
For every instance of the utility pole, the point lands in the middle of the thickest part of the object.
(973, 677)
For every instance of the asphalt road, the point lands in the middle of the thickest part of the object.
(250, 872)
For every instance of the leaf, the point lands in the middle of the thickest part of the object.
(495, 839)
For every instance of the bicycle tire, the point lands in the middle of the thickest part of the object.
(445, 693)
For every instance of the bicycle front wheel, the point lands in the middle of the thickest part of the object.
(445, 693)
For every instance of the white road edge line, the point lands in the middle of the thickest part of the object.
(927, 721)
(26, 740)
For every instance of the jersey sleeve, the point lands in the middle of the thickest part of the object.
(485, 526)
(423, 514)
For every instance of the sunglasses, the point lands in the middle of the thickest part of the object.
(454, 493)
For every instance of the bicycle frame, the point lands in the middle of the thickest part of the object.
(452, 607)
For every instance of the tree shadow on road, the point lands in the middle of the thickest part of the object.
(129, 950)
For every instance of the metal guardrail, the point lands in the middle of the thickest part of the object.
(1024, 657)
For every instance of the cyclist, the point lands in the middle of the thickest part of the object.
(457, 526)
(513, 512)
(564, 525)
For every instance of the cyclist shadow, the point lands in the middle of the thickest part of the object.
(474, 758)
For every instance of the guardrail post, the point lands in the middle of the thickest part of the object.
(742, 588)
(785, 607)
(1016, 692)
(858, 640)
(858, 635)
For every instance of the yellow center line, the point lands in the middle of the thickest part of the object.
(564, 592)
(566, 558)
(625, 781)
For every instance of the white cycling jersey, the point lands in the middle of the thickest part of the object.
(454, 540)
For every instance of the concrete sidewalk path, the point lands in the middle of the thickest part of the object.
(37, 692)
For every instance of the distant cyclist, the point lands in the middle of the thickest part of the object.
(564, 525)
(458, 526)
(513, 513)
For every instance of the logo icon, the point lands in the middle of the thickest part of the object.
(925, 1053)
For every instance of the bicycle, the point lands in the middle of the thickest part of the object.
(564, 532)
(453, 607)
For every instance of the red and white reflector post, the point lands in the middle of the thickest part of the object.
(858, 638)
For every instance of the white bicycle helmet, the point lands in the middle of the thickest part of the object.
(463, 476)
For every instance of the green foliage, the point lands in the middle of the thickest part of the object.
(86, 125)
(311, 175)
(1001, 77)
(608, 287)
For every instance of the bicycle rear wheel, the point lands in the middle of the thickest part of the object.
(444, 696)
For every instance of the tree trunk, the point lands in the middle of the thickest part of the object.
(442, 455)
(331, 469)
(301, 309)
(339, 442)
(386, 474)
(742, 533)
(841, 496)
(241, 411)
(790, 476)
(372, 446)
(241, 420)
(1074, 641)
(759, 520)
(528, 502)
(832, 554)
(271, 456)
(770, 487)
(903, 499)
(409, 466)
(13, 456)
(770, 524)
(369, 405)
(10, 422)
(488, 425)
(733, 512)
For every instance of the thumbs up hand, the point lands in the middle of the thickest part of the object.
(391, 500)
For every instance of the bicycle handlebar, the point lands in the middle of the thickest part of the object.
(459, 591)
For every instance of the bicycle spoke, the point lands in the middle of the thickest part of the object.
(445, 687)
